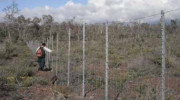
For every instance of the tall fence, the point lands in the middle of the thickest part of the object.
(119, 61)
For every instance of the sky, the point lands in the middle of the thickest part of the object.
(95, 10)
(38, 3)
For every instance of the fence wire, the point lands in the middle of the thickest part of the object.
(135, 60)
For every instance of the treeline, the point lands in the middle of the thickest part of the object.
(15, 28)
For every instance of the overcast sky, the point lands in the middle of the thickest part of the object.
(95, 10)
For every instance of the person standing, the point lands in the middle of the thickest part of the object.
(40, 53)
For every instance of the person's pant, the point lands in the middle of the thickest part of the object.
(41, 62)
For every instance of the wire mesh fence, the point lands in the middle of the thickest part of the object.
(129, 66)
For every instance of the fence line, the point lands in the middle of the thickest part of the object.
(52, 55)
(57, 58)
(107, 67)
(69, 60)
(107, 79)
(163, 54)
(83, 67)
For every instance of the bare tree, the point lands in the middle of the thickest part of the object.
(11, 11)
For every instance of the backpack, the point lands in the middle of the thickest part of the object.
(40, 52)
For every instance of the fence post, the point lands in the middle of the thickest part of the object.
(69, 51)
(57, 48)
(83, 67)
(47, 56)
(50, 55)
(163, 55)
(107, 67)
(49, 65)
(52, 58)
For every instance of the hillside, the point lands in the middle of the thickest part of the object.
(134, 61)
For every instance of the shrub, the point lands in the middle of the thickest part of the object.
(6, 85)
(158, 61)
(11, 80)
(43, 82)
(120, 84)
(177, 73)
(2, 55)
(27, 72)
(116, 61)
(16, 96)
(132, 51)
(28, 82)
(2, 35)
(178, 54)
(10, 49)
(141, 89)
(64, 90)
(96, 82)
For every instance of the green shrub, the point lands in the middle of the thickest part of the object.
(158, 61)
(132, 74)
(28, 82)
(120, 84)
(169, 98)
(6, 85)
(64, 90)
(11, 80)
(141, 89)
(25, 52)
(43, 82)
(132, 51)
(16, 96)
(96, 81)
(2, 35)
(27, 72)
(176, 73)
(116, 61)
(2, 55)
(9, 49)
(178, 54)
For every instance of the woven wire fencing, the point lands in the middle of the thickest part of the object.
(134, 59)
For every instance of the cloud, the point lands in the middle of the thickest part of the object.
(103, 10)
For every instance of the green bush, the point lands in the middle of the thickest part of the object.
(8, 49)
(43, 82)
(176, 73)
(116, 61)
(16, 96)
(27, 72)
(96, 82)
(2, 55)
(28, 82)
(25, 52)
(120, 84)
(6, 85)
(132, 51)
(158, 61)
(64, 90)
(2, 35)
(141, 89)
(178, 54)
